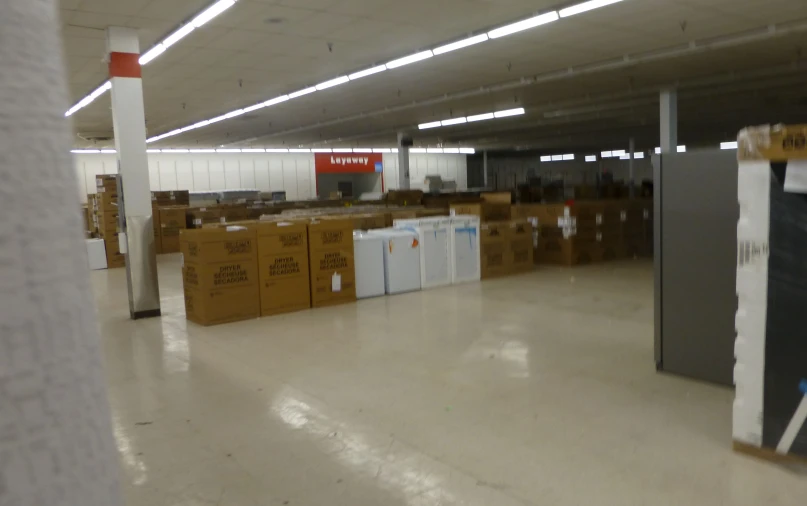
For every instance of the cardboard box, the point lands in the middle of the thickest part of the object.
(485, 211)
(107, 201)
(107, 220)
(220, 275)
(369, 221)
(114, 258)
(172, 221)
(497, 197)
(230, 214)
(520, 246)
(333, 274)
(283, 266)
(196, 217)
(170, 198)
(494, 244)
(404, 197)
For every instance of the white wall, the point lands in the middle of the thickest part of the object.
(292, 172)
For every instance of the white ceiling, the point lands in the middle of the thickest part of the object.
(246, 56)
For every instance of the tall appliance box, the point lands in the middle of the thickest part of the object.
(434, 235)
(465, 249)
(369, 259)
(401, 250)
(770, 374)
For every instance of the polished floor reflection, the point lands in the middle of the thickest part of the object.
(531, 390)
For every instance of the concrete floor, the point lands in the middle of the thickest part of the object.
(531, 390)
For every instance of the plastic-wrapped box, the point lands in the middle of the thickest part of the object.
(435, 249)
(770, 407)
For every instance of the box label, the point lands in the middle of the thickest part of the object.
(284, 266)
(333, 261)
(230, 275)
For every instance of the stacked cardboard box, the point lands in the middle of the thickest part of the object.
(519, 241)
(637, 228)
(404, 197)
(283, 267)
(506, 247)
(369, 221)
(487, 211)
(107, 218)
(199, 216)
(171, 222)
(170, 198)
(220, 274)
(333, 273)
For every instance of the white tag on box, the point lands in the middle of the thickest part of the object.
(796, 176)
(336, 282)
(122, 245)
(599, 219)
(623, 216)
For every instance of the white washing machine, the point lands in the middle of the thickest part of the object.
(465, 249)
(435, 249)
(401, 259)
(369, 261)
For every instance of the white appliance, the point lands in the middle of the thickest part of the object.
(435, 249)
(401, 259)
(96, 254)
(465, 249)
(369, 259)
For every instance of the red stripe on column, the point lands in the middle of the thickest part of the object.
(124, 65)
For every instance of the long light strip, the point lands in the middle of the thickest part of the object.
(728, 145)
(465, 151)
(519, 26)
(202, 18)
(471, 119)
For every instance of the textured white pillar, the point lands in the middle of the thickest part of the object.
(669, 120)
(56, 443)
(129, 122)
(403, 163)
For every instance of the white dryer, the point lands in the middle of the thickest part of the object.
(435, 249)
(401, 259)
(369, 261)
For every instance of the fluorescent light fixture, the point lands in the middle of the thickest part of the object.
(253, 150)
(233, 114)
(195, 125)
(108, 151)
(84, 102)
(175, 151)
(211, 12)
(658, 151)
(153, 151)
(606, 154)
(178, 35)
(591, 158)
(332, 83)
(626, 156)
(682, 149)
(557, 158)
(433, 124)
(302, 92)
(228, 151)
(480, 117)
(568, 157)
(379, 150)
(342, 150)
(394, 150)
(451, 151)
(461, 44)
(254, 107)
(151, 54)
(639, 155)
(546, 158)
(619, 152)
(216, 119)
(417, 150)
(467, 151)
(508, 113)
(400, 62)
(524, 25)
(299, 151)
(455, 121)
(362, 150)
(585, 7)
(101, 90)
(728, 145)
(321, 150)
(434, 150)
(368, 72)
(282, 98)
(86, 151)
(202, 150)
(276, 150)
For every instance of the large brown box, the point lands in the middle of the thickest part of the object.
(106, 220)
(233, 213)
(170, 198)
(520, 245)
(493, 243)
(404, 197)
(172, 220)
(497, 197)
(369, 221)
(485, 211)
(196, 217)
(220, 275)
(333, 274)
(283, 267)
(106, 201)
(114, 258)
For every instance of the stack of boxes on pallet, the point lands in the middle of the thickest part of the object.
(106, 218)
(168, 215)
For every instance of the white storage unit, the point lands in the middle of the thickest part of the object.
(96, 254)
(435, 249)
(401, 259)
(369, 259)
(465, 249)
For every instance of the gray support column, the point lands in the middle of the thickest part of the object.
(485, 168)
(128, 121)
(631, 168)
(669, 120)
(403, 161)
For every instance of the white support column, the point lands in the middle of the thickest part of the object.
(403, 161)
(631, 173)
(669, 120)
(128, 120)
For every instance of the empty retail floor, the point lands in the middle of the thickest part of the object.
(538, 389)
